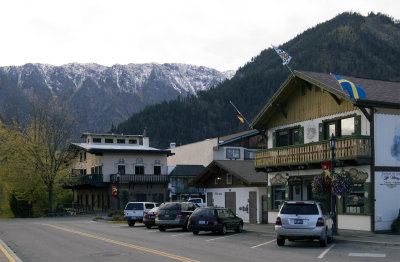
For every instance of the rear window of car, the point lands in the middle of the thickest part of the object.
(300, 209)
(170, 206)
(149, 206)
(134, 206)
(204, 212)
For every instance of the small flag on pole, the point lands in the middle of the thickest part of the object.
(239, 116)
(354, 90)
(285, 56)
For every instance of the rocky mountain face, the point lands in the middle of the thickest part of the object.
(97, 95)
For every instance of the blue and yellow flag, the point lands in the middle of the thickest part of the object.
(354, 90)
(284, 56)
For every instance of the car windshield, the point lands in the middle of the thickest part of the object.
(134, 206)
(195, 200)
(300, 209)
(203, 212)
(149, 206)
(170, 206)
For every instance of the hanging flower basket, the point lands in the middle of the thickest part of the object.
(336, 184)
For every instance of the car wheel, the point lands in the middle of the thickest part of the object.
(324, 241)
(195, 232)
(280, 241)
(162, 228)
(185, 226)
(131, 223)
(239, 229)
(148, 226)
(223, 230)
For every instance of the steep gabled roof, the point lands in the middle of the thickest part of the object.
(231, 138)
(379, 93)
(242, 169)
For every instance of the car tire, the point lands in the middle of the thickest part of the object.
(324, 241)
(239, 229)
(131, 223)
(280, 241)
(186, 226)
(223, 230)
(195, 232)
(148, 226)
(162, 228)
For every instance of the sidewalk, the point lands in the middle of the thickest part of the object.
(343, 235)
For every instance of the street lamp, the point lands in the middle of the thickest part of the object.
(333, 198)
(118, 200)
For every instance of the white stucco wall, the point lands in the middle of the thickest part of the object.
(199, 153)
(242, 198)
(354, 222)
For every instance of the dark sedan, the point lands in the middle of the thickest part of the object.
(214, 219)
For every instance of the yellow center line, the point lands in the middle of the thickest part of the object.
(9, 257)
(148, 250)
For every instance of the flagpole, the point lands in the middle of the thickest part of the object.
(241, 115)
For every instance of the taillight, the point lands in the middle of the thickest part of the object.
(179, 214)
(278, 221)
(157, 214)
(320, 222)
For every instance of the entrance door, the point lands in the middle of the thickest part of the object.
(210, 200)
(230, 201)
(253, 207)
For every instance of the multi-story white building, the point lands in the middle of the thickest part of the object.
(106, 161)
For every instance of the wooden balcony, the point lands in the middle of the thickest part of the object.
(140, 179)
(349, 148)
(94, 180)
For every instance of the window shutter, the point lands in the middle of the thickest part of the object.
(357, 125)
(321, 131)
(301, 135)
(274, 139)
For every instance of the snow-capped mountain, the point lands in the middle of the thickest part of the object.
(99, 95)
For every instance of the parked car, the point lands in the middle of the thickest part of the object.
(198, 201)
(174, 214)
(303, 220)
(149, 217)
(134, 211)
(214, 219)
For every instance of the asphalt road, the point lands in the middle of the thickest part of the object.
(81, 239)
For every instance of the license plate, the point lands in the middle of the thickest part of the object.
(298, 221)
(202, 222)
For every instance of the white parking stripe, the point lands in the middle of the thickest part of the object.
(266, 243)
(218, 238)
(326, 251)
(366, 255)
(178, 234)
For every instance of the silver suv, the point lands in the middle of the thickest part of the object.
(303, 220)
(134, 211)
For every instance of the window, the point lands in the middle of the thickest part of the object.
(97, 170)
(96, 140)
(229, 179)
(132, 141)
(157, 170)
(233, 153)
(248, 155)
(109, 140)
(347, 126)
(120, 141)
(287, 137)
(340, 127)
(217, 179)
(353, 202)
(278, 196)
(121, 169)
(139, 170)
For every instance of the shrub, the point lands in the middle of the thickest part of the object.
(117, 212)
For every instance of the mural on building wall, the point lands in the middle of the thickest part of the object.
(395, 150)
(387, 140)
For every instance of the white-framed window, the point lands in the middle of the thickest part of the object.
(233, 153)
(229, 179)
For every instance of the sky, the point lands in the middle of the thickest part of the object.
(220, 34)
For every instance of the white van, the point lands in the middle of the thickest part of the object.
(134, 211)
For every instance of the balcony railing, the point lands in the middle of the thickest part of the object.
(346, 149)
(187, 190)
(81, 180)
(151, 178)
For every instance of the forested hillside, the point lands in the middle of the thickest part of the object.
(349, 44)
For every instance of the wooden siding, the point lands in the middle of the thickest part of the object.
(346, 148)
(304, 104)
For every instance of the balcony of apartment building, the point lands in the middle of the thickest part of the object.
(83, 180)
(352, 149)
(139, 178)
